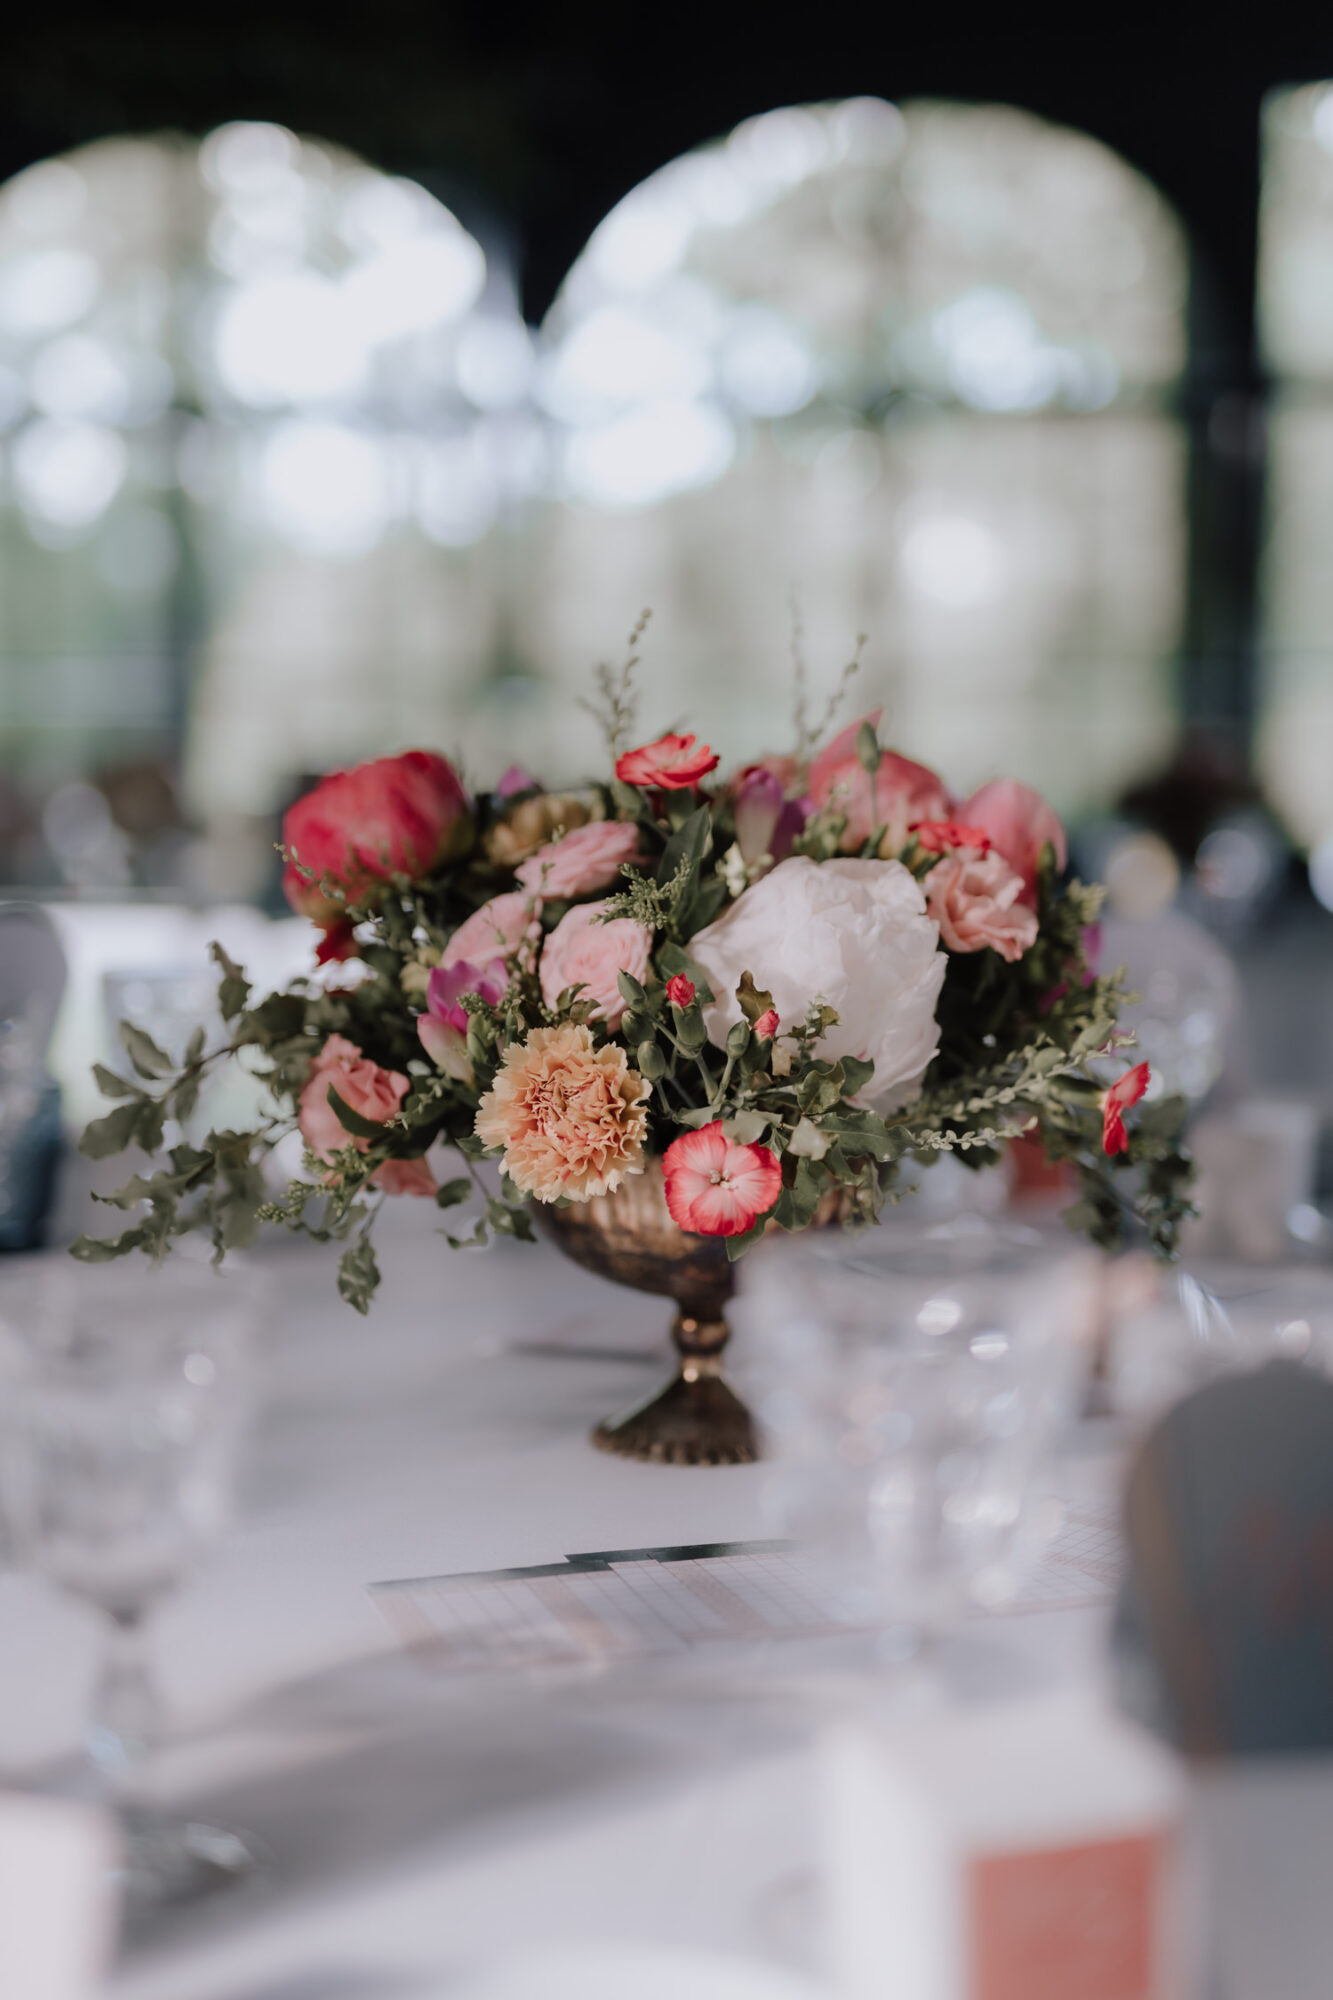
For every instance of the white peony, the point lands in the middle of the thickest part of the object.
(854, 934)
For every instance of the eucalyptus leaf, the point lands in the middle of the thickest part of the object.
(149, 1060)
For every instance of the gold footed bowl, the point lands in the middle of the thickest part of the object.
(629, 1237)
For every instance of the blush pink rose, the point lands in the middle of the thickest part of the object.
(1020, 823)
(372, 1093)
(589, 857)
(976, 899)
(494, 931)
(903, 792)
(582, 950)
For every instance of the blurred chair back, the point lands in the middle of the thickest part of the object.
(1224, 1631)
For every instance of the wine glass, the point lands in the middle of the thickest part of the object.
(127, 1391)
(910, 1386)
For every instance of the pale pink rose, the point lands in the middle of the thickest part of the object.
(583, 951)
(903, 792)
(571, 1120)
(1020, 823)
(371, 1092)
(976, 899)
(589, 858)
(494, 931)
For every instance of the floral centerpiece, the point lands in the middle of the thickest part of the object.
(743, 1000)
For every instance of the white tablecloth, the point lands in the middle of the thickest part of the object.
(415, 1826)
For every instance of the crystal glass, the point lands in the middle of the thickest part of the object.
(909, 1383)
(126, 1394)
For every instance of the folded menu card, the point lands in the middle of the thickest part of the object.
(623, 1603)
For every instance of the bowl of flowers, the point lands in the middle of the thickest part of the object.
(677, 1009)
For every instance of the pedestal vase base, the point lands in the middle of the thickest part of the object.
(697, 1419)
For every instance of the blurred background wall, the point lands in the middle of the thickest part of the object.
(360, 384)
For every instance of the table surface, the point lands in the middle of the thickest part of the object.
(416, 1824)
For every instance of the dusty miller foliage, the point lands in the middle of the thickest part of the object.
(1022, 1050)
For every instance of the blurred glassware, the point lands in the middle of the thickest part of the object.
(23, 1086)
(32, 984)
(911, 1383)
(127, 1393)
(1188, 1007)
(1193, 1326)
(1256, 1177)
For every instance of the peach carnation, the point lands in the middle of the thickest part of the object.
(569, 1118)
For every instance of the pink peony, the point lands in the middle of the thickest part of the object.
(589, 858)
(672, 764)
(715, 1188)
(494, 931)
(976, 899)
(903, 792)
(584, 951)
(394, 816)
(372, 1093)
(1116, 1101)
(1020, 824)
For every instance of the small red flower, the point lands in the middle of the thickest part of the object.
(714, 1188)
(1116, 1101)
(936, 836)
(767, 1025)
(680, 990)
(673, 763)
(338, 942)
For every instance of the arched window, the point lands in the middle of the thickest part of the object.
(914, 365)
(254, 400)
(1296, 331)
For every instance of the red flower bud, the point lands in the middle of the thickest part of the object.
(680, 990)
(767, 1025)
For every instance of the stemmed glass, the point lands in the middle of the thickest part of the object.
(910, 1385)
(126, 1399)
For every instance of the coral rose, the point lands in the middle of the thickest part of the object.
(1116, 1101)
(394, 816)
(715, 1188)
(496, 930)
(584, 951)
(672, 764)
(852, 933)
(590, 857)
(976, 901)
(372, 1093)
(569, 1118)
(1020, 824)
(903, 791)
(532, 822)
